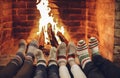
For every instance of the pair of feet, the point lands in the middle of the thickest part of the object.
(82, 50)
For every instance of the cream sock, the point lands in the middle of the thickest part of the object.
(82, 52)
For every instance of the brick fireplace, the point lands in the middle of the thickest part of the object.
(81, 20)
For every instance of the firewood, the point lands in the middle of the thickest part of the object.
(51, 36)
(41, 38)
(62, 38)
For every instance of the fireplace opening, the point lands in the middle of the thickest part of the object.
(73, 20)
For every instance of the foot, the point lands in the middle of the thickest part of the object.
(62, 49)
(22, 46)
(82, 52)
(33, 46)
(62, 54)
(71, 51)
(53, 52)
(52, 57)
(40, 58)
(93, 45)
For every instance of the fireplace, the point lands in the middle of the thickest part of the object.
(81, 19)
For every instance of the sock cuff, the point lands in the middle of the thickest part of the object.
(85, 61)
(71, 56)
(31, 54)
(71, 59)
(21, 55)
(61, 57)
(62, 60)
(52, 62)
(42, 62)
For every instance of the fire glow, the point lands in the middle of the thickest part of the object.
(47, 18)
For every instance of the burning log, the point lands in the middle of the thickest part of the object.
(51, 36)
(62, 38)
(41, 39)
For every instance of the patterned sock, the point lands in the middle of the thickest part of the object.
(82, 52)
(62, 53)
(52, 56)
(20, 55)
(71, 52)
(32, 49)
(22, 46)
(40, 58)
(93, 45)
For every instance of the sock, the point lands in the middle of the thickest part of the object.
(71, 53)
(32, 48)
(40, 58)
(20, 55)
(22, 46)
(52, 56)
(82, 52)
(93, 45)
(62, 53)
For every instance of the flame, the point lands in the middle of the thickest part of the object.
(47, 18)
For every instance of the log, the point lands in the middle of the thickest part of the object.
(62, 37)
(51, 36)
(41, 38)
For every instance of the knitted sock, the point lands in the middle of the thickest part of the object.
(32, 49)
(52, 56)
(20, 55)
(40, 58)
(82, 52)
(93, 45)
(62, 53)
(22, 46)
(71, 53)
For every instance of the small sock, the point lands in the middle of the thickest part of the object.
(82, 52)
(71, 50)
(22, 46)
(71, 53)
(40, 58)
(52, 56)
(32, 48)
(62, 53)
(93, 45)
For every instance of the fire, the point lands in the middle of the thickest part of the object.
(46, 18)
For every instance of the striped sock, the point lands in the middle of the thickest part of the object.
(93, 45)
(82, 52)
(40, 58)
(71, 51)
(62, 53)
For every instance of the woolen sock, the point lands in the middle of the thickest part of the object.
(82, 52)
(52, 57)
(22, 46)
(20, 55)
(93, 45)
(71, 53)
(32, 48)
(62, 53)
(40, 58)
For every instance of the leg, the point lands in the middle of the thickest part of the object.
(41, 71)
(15, 64)
(107, 67)
(53, 71)
(75, 69)
(89, 68)
(63, 71)
(26, 70)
